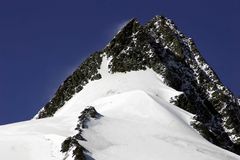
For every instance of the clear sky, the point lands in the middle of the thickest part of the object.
(42, 42)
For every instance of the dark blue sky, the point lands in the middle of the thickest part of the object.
(42, 42)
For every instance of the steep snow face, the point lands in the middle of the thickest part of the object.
(138, 123)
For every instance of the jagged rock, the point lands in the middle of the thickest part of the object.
(85, 117)
(72, 143)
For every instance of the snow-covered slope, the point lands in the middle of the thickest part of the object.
(160, 47)
(137, 122)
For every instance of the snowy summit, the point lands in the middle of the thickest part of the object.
(148, 95)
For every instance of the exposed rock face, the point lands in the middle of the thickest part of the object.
(71, 144)
(74, 83)
(159, 45)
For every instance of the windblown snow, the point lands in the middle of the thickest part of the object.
(138, 123)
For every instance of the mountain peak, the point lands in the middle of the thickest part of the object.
(161, 47)
(131, 25)
(130, 28)
(132, 22)
(162, 21)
